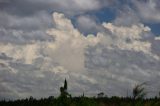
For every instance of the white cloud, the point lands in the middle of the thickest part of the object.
(22, 30)
(157, 38)
(88, 24)
(26, 53)
(148, 10)
(87, 5)
(72, 7)
(130, 38)
(70, 41)
(126, 16)
(61, 57)
(118, 59)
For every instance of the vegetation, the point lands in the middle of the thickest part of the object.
(138, 91)
(65, 99)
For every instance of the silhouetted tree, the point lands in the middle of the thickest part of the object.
(65, 84)
(100, 95)
(63, 90)
(138, 91)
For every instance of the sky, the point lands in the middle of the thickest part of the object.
(97, 45)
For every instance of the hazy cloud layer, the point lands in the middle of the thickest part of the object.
(113, 61)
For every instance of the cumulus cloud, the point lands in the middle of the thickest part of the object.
(118, 57)
(129, 37)
(64, 6)
(157, 38)
(80, 6)
(119, 54)
(126, 16)
(88, 24)
(22, 30)
(148, 10)
(66, 34)
(48, 56)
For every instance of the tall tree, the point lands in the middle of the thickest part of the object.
(63, 90)
(65, 84)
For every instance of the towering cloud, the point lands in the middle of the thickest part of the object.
(69, 43)
(113, 60)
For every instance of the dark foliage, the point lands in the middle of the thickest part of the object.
(138, 91)
(65, 99)
(83, 101)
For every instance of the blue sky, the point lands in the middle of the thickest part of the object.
(97, 45)
(155, 28)
(108, 14)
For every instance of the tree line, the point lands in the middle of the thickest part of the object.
(66, 99)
